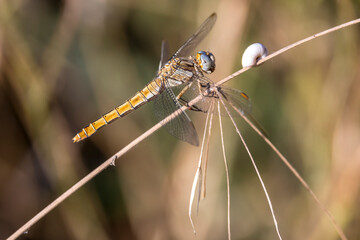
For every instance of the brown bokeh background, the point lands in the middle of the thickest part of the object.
(64, 63)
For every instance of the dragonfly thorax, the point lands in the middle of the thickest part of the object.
(206, 61)
(178, 71)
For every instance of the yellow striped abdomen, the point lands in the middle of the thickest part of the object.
(150, 91)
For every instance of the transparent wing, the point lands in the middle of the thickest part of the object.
(237, 99)
(164, 54)
(180, 127)
(186, 49)
(200, 83)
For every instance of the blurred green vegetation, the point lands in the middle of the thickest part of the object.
(65, 63)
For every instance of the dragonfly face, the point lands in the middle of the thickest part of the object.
(206, 61)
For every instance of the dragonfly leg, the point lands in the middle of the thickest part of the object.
(183, 91)
(193, 107)
(184, 102)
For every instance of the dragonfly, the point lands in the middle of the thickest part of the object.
(177, 81)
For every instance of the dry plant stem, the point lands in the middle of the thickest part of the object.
(197, 174)
(96, 171)
(203, 185)
(330, 30)
(292, 169)
(298, 176)
(108, 162)
(227, 173)
(253, 162)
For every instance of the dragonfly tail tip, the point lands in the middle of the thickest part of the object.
(76, 139)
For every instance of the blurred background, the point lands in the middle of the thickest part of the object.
(65, 63)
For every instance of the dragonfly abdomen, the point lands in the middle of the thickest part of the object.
(149, 92)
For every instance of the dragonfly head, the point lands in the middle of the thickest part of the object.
(206, 61)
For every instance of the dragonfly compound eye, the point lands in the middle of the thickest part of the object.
(206, 60)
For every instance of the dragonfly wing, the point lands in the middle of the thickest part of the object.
(197, 37)
(180, 127)
(164, 54)
(238, 102)
(236, 99)
(231, 95)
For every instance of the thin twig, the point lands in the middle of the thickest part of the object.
(347, 24)
(227, 174)
(96, 171)
(197, 174)
(142, 137)
(203, 185)
(254, 164)
(298, 176)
